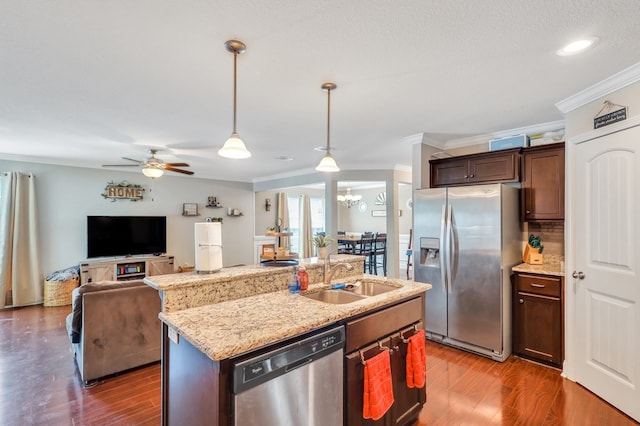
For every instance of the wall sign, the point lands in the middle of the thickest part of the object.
(123, 191)
(609, 114)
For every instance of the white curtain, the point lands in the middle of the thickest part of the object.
(306, 232)
(21, 281)
(283, 218)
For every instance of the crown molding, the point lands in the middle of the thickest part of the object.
(615, 82)
(414, 139)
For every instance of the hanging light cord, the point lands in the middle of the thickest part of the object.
(235, 76)
(328, 118)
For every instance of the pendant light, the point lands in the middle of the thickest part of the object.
(328, 164)
(234, 147)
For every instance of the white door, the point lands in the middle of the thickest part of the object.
(607, 242)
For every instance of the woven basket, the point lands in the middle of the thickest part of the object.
(58, 293)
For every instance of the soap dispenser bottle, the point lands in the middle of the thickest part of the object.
(294, 284)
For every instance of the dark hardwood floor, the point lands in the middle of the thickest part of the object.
(40, 385)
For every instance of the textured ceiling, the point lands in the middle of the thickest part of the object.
(86, 82)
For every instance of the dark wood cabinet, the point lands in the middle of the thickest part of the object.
(383, 330)
(489, 167)
(543, 183)
(537, 318)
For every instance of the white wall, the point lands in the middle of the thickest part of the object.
(265, 219)
(580, 120)
(67, 195)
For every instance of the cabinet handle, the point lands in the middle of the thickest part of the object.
(579, 275)
(528, 211)
(472, 176)
(465, 176)
(537, 285)
(521, 301)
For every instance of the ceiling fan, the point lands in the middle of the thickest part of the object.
(152, 166)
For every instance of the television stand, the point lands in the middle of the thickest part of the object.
(125, 268)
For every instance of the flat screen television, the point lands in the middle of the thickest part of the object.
(126, 235)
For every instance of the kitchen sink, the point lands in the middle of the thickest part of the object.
(350, 293)
(336, 297)
(369, 288)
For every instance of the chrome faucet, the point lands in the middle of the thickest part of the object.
(329, 271)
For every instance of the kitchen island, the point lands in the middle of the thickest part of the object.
(191, 289)
(201, 345)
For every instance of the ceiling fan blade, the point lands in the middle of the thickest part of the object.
(131, 159)
(176, 164)
(120, 165)
(186, 172)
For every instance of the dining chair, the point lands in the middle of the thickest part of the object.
(364, 247)
(379, 253)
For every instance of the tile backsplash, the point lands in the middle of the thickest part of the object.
(551, 234)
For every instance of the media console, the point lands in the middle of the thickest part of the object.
(125, 268)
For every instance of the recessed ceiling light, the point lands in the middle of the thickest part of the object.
(578, 46)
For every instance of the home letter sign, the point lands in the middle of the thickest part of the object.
(123, 191)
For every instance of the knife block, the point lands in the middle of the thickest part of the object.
(532, 256)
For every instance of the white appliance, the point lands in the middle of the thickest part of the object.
(208, 247)
(466, 241)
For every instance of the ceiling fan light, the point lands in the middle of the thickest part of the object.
(152, 172)
(234, 148)
(328, 164)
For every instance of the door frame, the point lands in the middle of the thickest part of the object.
(570, 343)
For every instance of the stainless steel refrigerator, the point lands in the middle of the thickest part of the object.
(466, 241)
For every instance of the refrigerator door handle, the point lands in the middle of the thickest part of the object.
(443, 276)
(449, 249)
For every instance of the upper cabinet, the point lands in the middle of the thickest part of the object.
(489, 167)
(540, 170)
(543, 183)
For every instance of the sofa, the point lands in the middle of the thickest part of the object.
(114, 327)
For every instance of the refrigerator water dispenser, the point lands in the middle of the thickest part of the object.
(430, 252)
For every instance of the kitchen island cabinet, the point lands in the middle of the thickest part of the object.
(201, 345)
(384, 330)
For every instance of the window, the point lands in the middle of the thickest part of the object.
(295, 218)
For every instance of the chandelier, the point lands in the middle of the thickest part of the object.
(348, 199)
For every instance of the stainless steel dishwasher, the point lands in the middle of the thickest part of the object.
(298, 384)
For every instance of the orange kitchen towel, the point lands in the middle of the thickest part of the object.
(416, 361)
(378, 389)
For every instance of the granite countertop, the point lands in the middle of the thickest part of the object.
(552, 265)
(187, 279)
(227, 329)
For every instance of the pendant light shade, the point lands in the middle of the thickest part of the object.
(234, 147)
(328, 164)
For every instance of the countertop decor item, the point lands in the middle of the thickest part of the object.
(533, 251)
